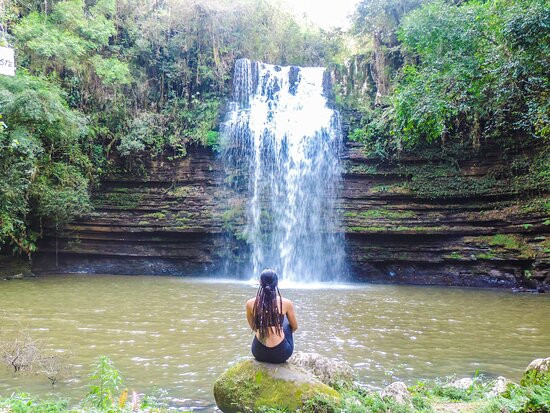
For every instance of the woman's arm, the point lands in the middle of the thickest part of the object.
(249, 312)
(291, 315)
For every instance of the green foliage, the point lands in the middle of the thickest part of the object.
(442, 390)
(474, 71)
(104, 395)
(69, 37)
(111, 70)
(521, 399)
(446, 181)
(60, 192)
(506, 241)
(481, 70)
(381, 18)
(532, 396)
(536, 377)
(118, 200)
(106, 385)
(381, 213)
(42, 164)
(23, 403)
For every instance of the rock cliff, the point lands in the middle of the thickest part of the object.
(424, 223)
(468, 229)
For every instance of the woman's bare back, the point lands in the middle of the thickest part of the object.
(273, 338)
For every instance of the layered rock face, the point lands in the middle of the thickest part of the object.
(419, 222)
(177, 218)
(166, 220)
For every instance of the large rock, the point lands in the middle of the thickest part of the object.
(334, 373)
(462, 384)
(398, 392)
(500, 386)
(537, 373)
(250, 386)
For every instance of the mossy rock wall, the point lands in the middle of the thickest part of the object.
(169, 218)
(424, 221)
(177, 217)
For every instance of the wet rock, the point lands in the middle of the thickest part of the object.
(462, 384)
(250, 386)
(14, 268)
(333, 373)
(499, 386)
(178, 218)
(540, 365)
(397, 391)
(537, 372)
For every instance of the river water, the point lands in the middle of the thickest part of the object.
(179, 334)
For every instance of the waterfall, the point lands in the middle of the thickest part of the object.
(285, 139)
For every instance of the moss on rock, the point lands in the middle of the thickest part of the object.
(250, 386)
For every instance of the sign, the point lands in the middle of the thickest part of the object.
(7, 61)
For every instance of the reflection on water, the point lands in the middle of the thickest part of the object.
(179, 334)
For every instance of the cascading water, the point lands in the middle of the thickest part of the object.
(286, 140)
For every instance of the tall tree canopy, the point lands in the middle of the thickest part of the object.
(471, 70)
(123, 79)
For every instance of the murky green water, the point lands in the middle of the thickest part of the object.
(179, 334)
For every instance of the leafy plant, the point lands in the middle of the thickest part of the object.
(106, 385)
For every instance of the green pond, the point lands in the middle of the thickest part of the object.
(174, 336)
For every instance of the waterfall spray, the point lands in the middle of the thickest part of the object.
(287, 140)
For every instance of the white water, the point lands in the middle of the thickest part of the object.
(288, 141)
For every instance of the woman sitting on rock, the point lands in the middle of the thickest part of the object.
(273, 320)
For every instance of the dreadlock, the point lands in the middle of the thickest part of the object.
(267, 313)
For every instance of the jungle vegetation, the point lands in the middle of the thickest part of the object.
(106, 80)
(103, 84)
(474, 71)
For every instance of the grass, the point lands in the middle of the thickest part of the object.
(507, 242)
(23, 402)
(381, 213)
(486, 256)
(118, 200)
(390, 229)
(455, 255)
(156, 215)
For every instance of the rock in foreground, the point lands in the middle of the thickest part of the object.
(333, 373)
(250, 385)
(398, 392)
(537, 372)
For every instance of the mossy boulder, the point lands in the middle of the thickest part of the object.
(250, 386)
(537, 373)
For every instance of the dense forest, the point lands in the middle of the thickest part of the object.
(105, 84)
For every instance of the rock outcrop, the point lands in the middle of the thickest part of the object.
(398, 392)
(166, 220)
(334, 373)
(177, 218)
(250, 386)
(537, 372)
(500, 385)
(424, 223)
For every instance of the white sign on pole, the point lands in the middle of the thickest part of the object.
(7, 61)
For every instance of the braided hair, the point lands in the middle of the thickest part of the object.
(266, 311)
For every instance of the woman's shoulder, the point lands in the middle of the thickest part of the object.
(286, 303)
(250, 302)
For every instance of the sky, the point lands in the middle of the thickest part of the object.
(325, 13)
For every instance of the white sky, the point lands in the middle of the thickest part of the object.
(326, 13)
